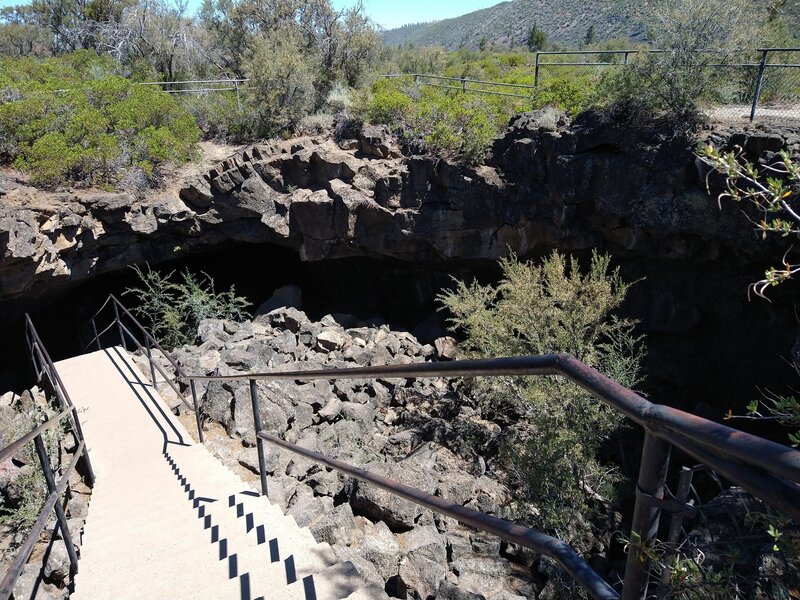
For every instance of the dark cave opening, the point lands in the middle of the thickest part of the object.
(398, 293)
(709, 355)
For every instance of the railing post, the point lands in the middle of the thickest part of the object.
(62, 518)
(262, 468)
(675, 525)
(96, 337)
(463, 85)
(625, 58)
(150, 361)
(119, 325)
(646, 514)
(762, 66)
(196, 413)
(536, 73)
(238, 101)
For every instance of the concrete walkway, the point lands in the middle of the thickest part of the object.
(167, 520)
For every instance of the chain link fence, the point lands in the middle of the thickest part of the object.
(754, 85)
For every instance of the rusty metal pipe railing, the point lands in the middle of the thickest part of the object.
(18, 444)
(556, 549)
(57, 384)
(153, 364)
(24, 552)
(151, 343)
(663, 420)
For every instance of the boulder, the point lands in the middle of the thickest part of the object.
(424, 564)
(379, 505)
(377, 142)
(31, 586)
(446, 348)
(377, 544)
(330, 340)
(449, 591)
(56, 568)
(288, 296)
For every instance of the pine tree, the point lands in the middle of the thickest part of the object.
(537, 39)
(590, 37)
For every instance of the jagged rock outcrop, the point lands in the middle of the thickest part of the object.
(550, 184)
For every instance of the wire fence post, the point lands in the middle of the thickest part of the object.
(238, 100)
(646, 513)
(536, 73)
(762, 66)
(262, 465)
(60, 516)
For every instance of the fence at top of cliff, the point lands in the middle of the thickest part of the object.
(762, 83)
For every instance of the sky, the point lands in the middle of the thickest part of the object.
(394, 13)
(390, 13)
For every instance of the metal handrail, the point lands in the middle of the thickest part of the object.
(43, 365)
(150, 343)
(24, 552)
(20, 443)
(762, 453)
(768, 470)
(517, 534)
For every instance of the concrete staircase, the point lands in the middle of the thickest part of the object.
(167, 520)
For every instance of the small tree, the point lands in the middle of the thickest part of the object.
(172, 309)
(541, 309)
(282, 73)
(695, 37)
(537, 39)
(590, 37)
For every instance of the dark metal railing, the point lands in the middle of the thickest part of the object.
(47, 375)
(766, 469)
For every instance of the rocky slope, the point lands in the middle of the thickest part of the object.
(414, 431)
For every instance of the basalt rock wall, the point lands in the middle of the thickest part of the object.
(637, 193)
(569, 186)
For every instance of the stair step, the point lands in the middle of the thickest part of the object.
(333, 583)
(255, 529)
(171, 521)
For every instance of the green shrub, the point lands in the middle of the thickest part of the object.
(390, 103)
(172, 310)
(73, 118)
(220, 116)
(465, 124)
(541, 309)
